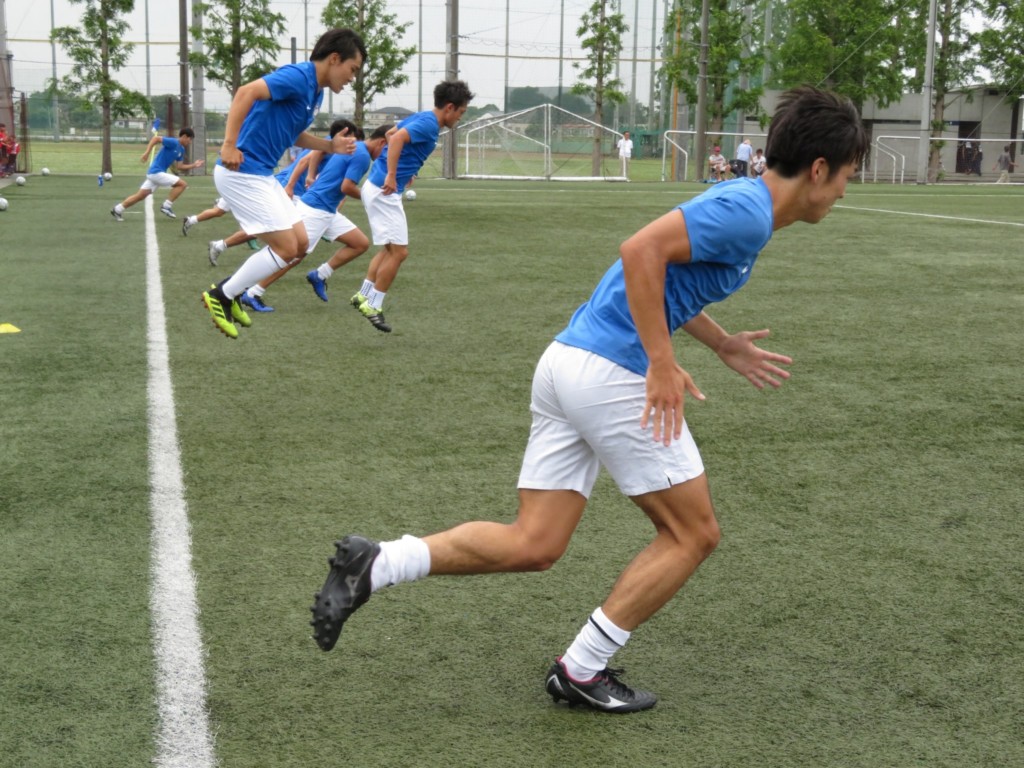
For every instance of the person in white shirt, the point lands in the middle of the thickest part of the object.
(717, 164)
(741, 165)
(625, 145)
(760, 163)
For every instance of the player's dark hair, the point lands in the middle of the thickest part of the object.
(810, 123)
(353, 130)
(344, 42)
(187, 132)
(381, 131)
(453, 92)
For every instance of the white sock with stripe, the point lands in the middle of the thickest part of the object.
(593, 647)
(257, 267)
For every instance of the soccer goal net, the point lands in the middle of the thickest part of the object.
(542, 143)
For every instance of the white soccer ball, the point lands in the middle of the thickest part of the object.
(108, 176)
(410, 194)
(46, 171)
(20, 181)
(3, 203)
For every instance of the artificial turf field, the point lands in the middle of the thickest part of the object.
(865, 606)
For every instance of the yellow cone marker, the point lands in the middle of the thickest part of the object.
(8, 328)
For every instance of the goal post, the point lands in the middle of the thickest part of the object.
(541, 143)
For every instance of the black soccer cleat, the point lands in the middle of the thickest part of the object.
(347, 587)
(605, 692)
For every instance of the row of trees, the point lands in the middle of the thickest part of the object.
(865, 49)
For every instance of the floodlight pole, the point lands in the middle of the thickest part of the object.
(927, 91)
(451, 73)
(198, 93)
(53, 56)
(701, 126)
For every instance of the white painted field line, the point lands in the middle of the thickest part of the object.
(930, 215)
(183, 738)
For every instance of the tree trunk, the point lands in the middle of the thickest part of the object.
(107, 161)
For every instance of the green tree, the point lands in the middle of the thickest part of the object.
(853, 47)
(735, 58)
(600, 35)
(956, 60)
(97, 50)
(239, 41)
(385, 58)
(1002, 52)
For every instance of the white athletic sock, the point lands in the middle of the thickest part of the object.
(192, 220)
(167, 204)
(367, 287)
(221, 246)
(324, 271)
(593, 647)
(256, 290)
(407, 559)
(375, 298)
(119, 208)
(257, 267)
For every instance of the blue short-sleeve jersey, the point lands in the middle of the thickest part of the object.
(326, 194)
(286, 173)
(423, 131)
(274, 124)
(170, 153)
(727, 226)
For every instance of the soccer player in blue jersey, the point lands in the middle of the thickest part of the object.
(172, 151)
(337, 177)
(267, 116)
(609, 391)
(407, 150)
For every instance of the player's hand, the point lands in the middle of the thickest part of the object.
(231, 157)
(667, 385)
(390, 184)
(198, 163)
(343, 144)
(756, 365)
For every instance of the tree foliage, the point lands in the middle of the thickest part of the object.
(1002, 45)
(385, 58)
(734, 62)
(97, 49)
(600, 34)
(239, 41)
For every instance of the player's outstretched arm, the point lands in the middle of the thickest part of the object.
(739, 352)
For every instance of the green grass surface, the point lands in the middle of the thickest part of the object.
(864, 608)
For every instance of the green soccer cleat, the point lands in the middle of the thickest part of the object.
(216, 309)
(358, 300)
(239, 315)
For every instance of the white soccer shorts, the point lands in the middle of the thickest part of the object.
(157, 180)
(586, 413)
(386, 215)
(259, 203)
(321, 223)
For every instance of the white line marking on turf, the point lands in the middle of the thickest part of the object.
(183, 733)
(929, 215)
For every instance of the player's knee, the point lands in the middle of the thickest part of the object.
(707, 536)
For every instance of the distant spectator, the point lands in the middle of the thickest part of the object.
(717, 164)
(1004, 164)
(741, 165)
(13, 149)
(759, 163)
(625, 145)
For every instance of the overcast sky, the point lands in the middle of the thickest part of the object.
(533, 39)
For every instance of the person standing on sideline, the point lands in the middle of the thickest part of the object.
(741, 165)
(407, 150)
(609, 391)
(625, 145)
(172, 151)
(266, 117)
(1004, 164)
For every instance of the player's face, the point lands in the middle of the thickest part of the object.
(343, 71)
(453, 114)
(825, 191)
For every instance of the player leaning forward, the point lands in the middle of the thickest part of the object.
(266, 117)
(609, 391)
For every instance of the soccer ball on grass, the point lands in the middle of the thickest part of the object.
(108, 176)
(20, 181)
(46, 171)
(3, 203)
(410, 194)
